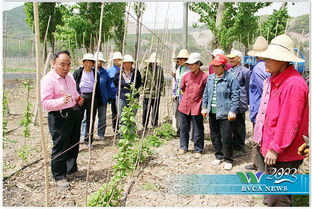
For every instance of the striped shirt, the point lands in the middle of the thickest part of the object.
(214, 96)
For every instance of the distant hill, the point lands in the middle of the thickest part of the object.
(14, 24)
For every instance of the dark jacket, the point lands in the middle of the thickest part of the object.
(125, 87)
(105, 85)
(77, 76)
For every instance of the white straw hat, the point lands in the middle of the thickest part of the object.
(100, 57)
(183, 53)
(281, 48)
(128, 58)
(153, 59)
(217, 51)
(193, 58)
(235, 53)
(88, 56)
(117, 55)
(260, 45)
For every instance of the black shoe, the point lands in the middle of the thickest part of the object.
(250, 167)
(77, 174)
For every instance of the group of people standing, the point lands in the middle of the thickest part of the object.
(68, 100)
(275, 92)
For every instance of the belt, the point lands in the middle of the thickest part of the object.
(86, 93)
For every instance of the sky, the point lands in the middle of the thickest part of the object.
(175, 12)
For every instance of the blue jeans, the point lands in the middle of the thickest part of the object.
(84, 132)
(102, 120)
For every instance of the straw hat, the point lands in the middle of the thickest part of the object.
(235, 53)
(281, 48)
(152, 58)
(217, 51)
(183, 53)
(260, 45)
(100, 56)
(128, 58)
(88, 56)
(193, 58)
(117, 55)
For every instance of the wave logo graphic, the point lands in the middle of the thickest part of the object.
(249, 177)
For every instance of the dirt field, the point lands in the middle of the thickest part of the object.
(26, 188)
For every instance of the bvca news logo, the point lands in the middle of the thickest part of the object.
(250, 177)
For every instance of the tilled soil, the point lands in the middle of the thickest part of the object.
(26, 188)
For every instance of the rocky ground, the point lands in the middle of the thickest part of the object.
(26, 188)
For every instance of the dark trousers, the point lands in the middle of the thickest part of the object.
(153, 106)
(87, 106)
(239, 131)
(64, 128)
(281, 200)
(114, 114)
(198, 126)
(221, 137)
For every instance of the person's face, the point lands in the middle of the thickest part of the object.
(127, 65)
(117, 62)
(87, 65)
(235, 61)
(100, 64)
(194, 68)
(274, 66)
(218, 70)
(61, 64)
(181, 61)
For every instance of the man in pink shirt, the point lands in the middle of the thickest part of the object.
(192, 88)
(284, 112)
(60, 98)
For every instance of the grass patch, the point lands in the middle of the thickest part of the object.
(19, 70)
(149, 186)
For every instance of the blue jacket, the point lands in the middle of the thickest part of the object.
(227, 95)
(243, 78)
(111, 72)
(257, 77)
(105, 85)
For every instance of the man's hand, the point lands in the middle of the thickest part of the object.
(304, 150)
(67, 98)
(231, 116)
(204, 112)
(80, 100)
(271, 157)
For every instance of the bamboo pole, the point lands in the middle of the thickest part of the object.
(43, 142)
(92, 105)
(44, 72)
(276, 28)
(45, 37)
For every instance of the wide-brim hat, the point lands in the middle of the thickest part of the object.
(153, 58)
(235, 53)
(193, 58)
(88, 56)
(128, 58)
(100, 57)
(281, 48)
(260, 46)
(117, 55)
(217, 51)
(183, 53)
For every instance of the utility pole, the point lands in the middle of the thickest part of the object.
(185, 24)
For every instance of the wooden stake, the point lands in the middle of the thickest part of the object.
(45, 37)
(92, 103)
(43, 142)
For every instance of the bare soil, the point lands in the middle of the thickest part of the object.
(26, 188)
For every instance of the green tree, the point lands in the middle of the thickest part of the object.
(229, 21)
(276, 24)
(139, 8)
(46, 9)
(81, 24)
